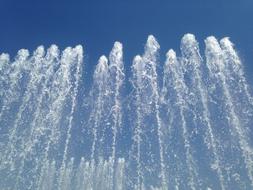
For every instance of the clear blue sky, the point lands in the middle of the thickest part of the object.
(97, 24)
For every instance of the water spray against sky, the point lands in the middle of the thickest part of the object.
(185, 124)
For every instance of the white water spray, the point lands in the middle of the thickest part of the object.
(186, 127)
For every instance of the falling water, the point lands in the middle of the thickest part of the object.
(175, 74)
(137, 73)
(116, 70)
(184, 124)
(238, 130)
(77, 54)
(100, 88)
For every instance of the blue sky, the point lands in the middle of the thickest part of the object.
(96, 24)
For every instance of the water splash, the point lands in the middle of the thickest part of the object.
(186, 126)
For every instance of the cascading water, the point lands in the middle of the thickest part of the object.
(186, 127)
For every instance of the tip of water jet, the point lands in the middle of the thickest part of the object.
(116, 53)
(152, 44)
(102, 65)
(212, 45)
(79, 49)
(171, 54)
(117, 45)
(227, 45)
(188, 41)
(67, 50)
(67, 53)
(103, 59)
(53, 51)
(189, 45)
(4, 57)
(211, 40)
(188, 38)
(79, 52)
(39, 52)
(225, 42)
(22, 55)
(137, 62)
(170, 58)
(116, 56)
(137, 58)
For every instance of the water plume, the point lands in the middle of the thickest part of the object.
(184, 124)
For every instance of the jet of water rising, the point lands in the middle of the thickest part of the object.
(210, 139)
(184, 127)
(145, 79)
(215, 61)
(36, 127)
(76, 56)
(60, 90)
(19, 69)
(116, 70)
(101, 76)
(137, 69)
(172, 69)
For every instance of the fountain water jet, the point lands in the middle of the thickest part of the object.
(187, 126)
